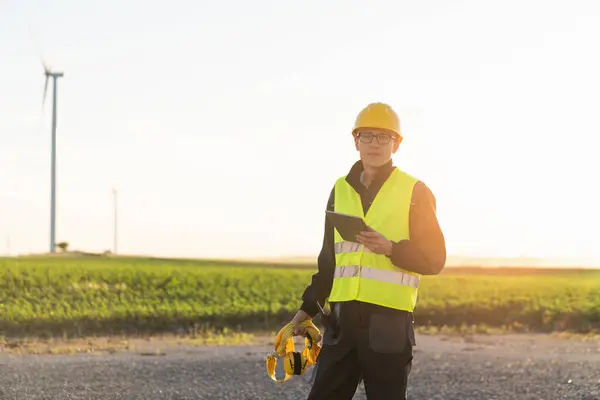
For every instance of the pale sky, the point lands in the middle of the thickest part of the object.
(224, 127)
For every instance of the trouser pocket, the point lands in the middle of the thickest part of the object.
(388, 333)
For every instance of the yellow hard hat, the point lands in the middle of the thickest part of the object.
(378, 115)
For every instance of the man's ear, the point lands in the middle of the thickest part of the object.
(396, 144)
(356, 143)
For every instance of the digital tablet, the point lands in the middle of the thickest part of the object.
(347, 225)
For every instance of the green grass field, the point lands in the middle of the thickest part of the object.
(82, 296)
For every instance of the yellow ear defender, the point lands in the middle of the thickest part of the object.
(295, 362)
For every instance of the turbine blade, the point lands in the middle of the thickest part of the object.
(45, 91)
(36, 44)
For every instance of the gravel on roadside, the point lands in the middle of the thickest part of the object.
(519, 367)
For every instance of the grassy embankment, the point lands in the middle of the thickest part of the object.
(86, 296)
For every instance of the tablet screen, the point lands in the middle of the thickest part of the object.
(347, 225)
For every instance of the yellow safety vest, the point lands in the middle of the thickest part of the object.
(366, 276)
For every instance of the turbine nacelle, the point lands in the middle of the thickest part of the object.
(49, 74)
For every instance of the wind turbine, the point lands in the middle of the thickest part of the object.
(54, 75)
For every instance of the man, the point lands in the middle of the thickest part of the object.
(372, 283)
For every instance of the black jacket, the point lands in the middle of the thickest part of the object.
(424, 253)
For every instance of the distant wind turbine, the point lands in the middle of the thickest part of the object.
(54, 75)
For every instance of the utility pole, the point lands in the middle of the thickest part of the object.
(115, 221)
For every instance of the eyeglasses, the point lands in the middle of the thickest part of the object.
(382, 138)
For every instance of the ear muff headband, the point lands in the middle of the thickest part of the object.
(295, 363)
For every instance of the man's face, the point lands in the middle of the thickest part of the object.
(376, 146)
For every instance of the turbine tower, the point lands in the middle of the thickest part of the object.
(54, 75)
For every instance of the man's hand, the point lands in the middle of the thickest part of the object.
(300, 317)
(375, 242)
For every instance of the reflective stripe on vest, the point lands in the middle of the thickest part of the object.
(361, 274)
(397, 278)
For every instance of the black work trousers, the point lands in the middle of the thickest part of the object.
(374, 344)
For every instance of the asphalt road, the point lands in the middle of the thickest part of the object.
(484, 367)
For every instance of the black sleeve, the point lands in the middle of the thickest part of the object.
(425, 252)
(322, 280)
